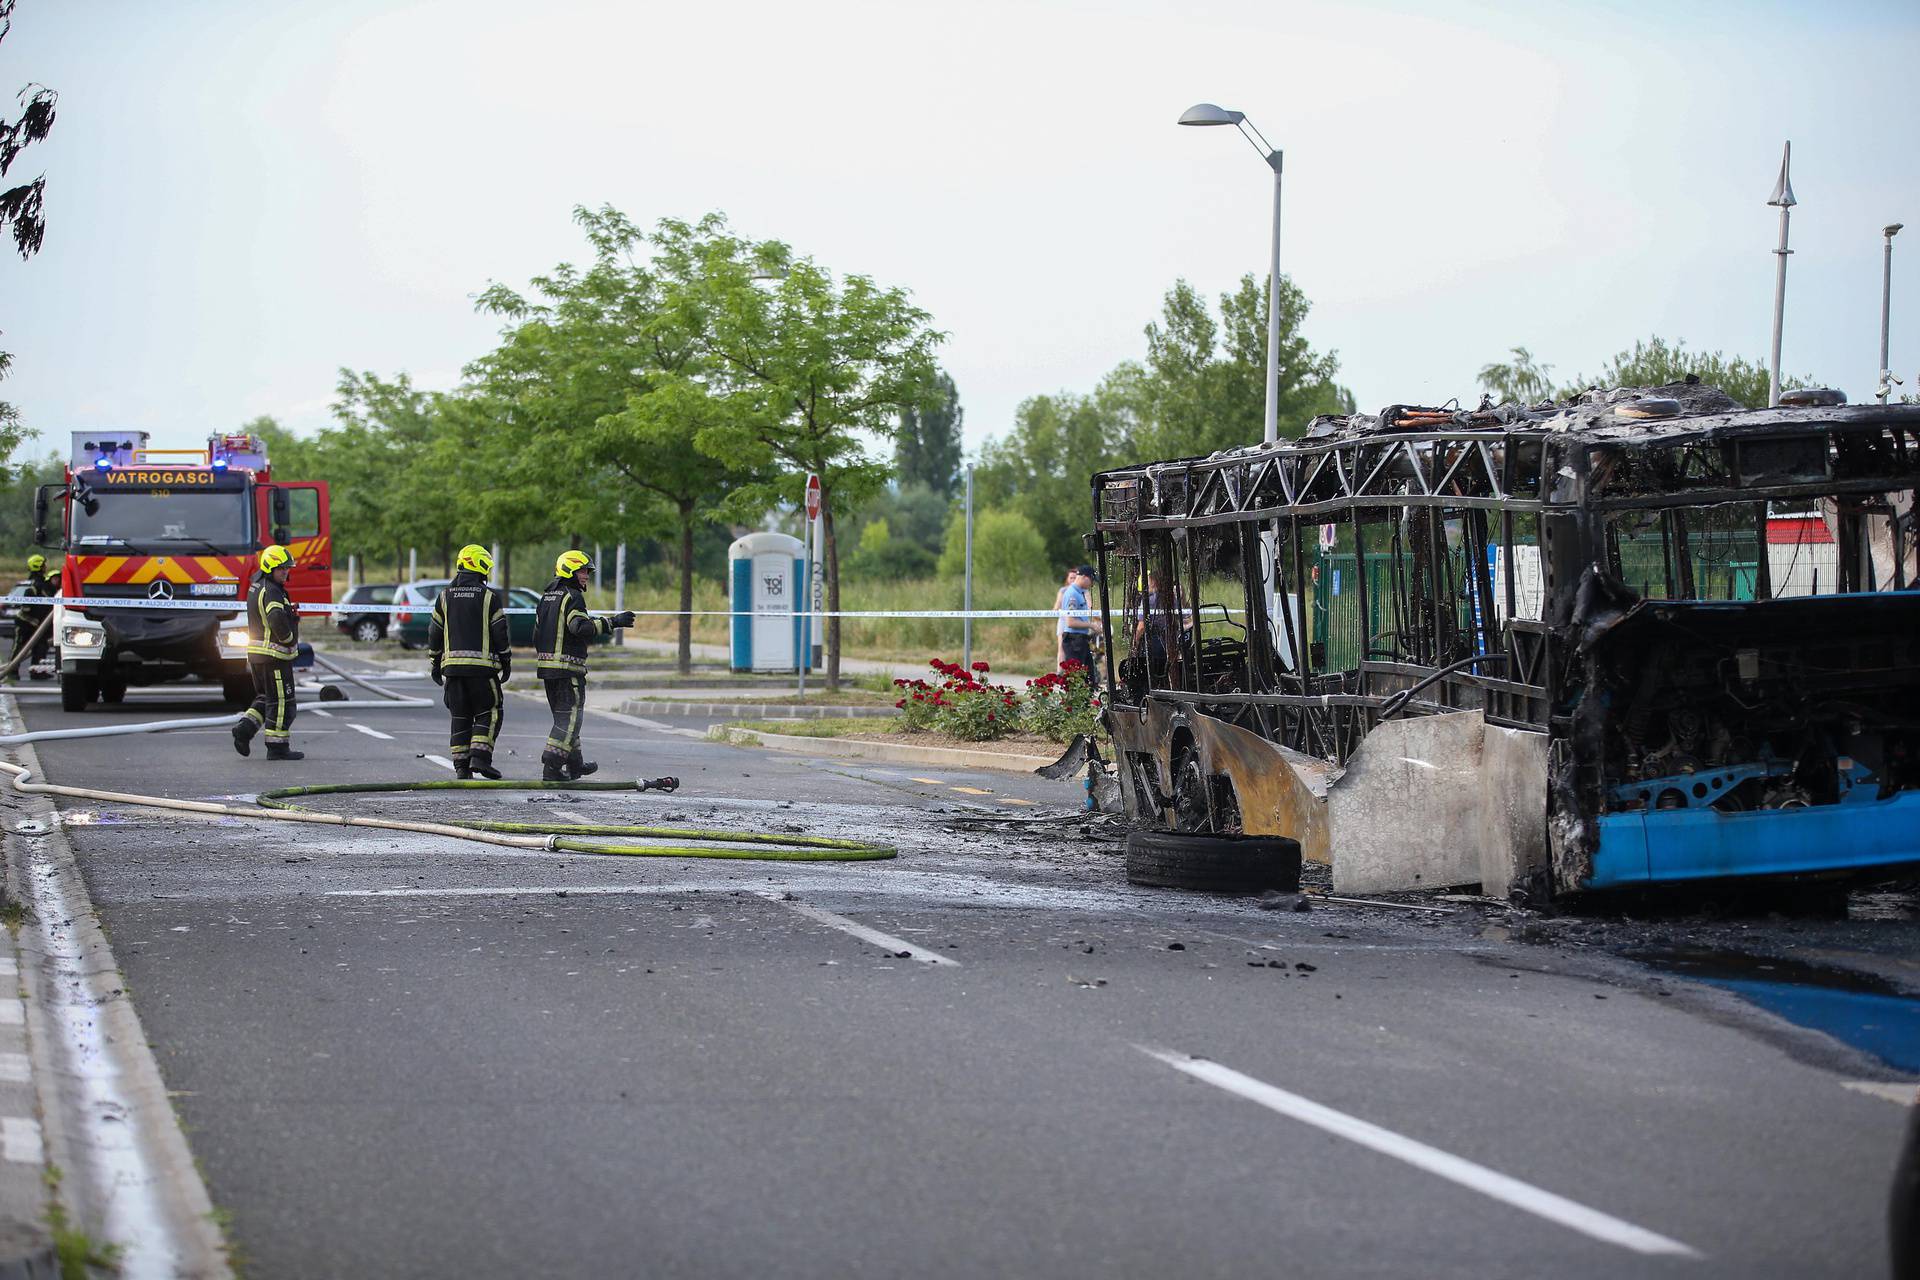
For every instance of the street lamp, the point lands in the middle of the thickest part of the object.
(1206, 114)
(1781, 199)
(1886, 306)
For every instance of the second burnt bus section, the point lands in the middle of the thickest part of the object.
(1658, 636)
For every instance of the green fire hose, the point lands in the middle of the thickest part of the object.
(758, 845)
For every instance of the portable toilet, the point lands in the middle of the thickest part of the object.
(767, 576)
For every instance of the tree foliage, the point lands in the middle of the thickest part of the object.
(1517, 380)
(797, 372)
(1204, 387)
(928, 453)
(22, 209)
(1656, 362)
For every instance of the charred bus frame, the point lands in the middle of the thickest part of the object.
(1591, 592)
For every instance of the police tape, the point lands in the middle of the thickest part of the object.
(231, 606)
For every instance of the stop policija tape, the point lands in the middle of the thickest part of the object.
(234, 606)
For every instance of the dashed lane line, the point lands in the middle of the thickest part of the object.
(969, 791)
(899, 946)
(1906, 1095)
(442, 761)
(932, 782)
(1462, 1172)
(1014, 800)
(371, 733)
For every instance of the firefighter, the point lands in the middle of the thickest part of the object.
(471, 657)
(273, 641)
(28, 617)
(562, 629)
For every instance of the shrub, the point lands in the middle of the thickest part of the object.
(963, 705)
(1006, 547)
(1061, 704)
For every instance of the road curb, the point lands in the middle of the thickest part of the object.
(850, 749)
(127, 1176)
(747, 710)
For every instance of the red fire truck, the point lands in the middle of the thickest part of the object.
(166, 526)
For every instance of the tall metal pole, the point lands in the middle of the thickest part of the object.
(1273, 312)
(413, 564)
(1782, 200)
(966, 623)
(620, 584)
(1886, 308)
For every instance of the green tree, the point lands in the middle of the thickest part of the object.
(1518, 380)
(1655, 362)
(1006, 548)
(1205, 383)
(22, 209)
(800, 370)
(928, 451)
(1043, 468)
(608, 384)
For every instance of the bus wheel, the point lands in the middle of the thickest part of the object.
(1213, 864)
(76, 691)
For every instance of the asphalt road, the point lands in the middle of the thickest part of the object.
(405, 1056)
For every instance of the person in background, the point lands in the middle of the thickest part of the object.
(28, 617)
(1077, 623)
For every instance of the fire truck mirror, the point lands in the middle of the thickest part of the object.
(282, 516)
(40, 517)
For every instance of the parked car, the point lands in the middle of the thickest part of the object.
(362, 625)
(416, 611)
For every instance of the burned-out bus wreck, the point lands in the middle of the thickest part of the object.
(1645, 636)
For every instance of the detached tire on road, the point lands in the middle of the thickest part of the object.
(1213, 864)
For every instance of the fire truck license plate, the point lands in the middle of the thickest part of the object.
(214, 589)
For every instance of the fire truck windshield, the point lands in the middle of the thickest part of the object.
(155, 520)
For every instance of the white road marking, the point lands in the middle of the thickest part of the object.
(20, 1140)
(442, 761)
(371, 733)
(15, 1068)
(322, 712)
(1475, 1177)
(1904, 1094)
(860, 931)
(12, 1013)
(514, 891)
(9, 967)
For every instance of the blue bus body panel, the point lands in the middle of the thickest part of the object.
(1704, 844)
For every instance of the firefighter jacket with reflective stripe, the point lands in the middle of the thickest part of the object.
(43, 583)
(562, 629)
(468, 633)
(273, 628)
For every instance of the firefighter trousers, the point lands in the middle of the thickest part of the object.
(567, 699)
(273, 706)
(475, 702)
(24, 625)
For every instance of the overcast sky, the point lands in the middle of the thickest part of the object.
(244, 196)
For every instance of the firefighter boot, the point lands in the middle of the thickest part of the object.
(243, 730)
(282, 751)
(462, 771)
(578, 768)
(553, 767)
(483, 765)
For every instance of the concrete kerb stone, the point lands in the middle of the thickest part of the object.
(895, 753)
(26, 1236)
(747, 710)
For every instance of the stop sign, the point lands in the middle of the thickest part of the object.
(813, 497)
